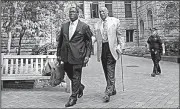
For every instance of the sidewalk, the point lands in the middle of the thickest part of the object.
(141, 90)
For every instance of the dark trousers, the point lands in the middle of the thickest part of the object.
(74, 72)
(92, 51)
(108, 63)
(156, 57)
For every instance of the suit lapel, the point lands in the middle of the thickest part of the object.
(100, 28)
(67, 30)
(77, 29)
(109, 23)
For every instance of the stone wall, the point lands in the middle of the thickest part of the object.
(118, 9)
(159, 13)
(157, 8)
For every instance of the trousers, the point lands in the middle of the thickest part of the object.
(74, 72)
(108, 63)
(156, 57)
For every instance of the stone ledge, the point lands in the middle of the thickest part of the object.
(136, 55)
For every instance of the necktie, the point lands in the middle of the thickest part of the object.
(71, 30)
(105, 28)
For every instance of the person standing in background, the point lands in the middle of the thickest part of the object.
(155, 46)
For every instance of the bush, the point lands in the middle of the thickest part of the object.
(172, 47)
(36, 50)
(137, 51)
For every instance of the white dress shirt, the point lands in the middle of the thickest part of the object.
(72, 28)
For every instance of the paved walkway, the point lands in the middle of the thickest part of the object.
(141, 90)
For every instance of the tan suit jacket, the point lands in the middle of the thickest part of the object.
(115, 38)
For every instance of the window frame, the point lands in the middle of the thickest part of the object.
(96, 10)
(81, 3)
(129, 35)
(128, 13)
(141, 28)
(110, 10)
(150, 19)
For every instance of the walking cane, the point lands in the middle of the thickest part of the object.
(122, 71)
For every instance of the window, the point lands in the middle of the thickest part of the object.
(141, 3)
(108, 5)
(141, 28)
(129, 35)
(150, 19)
(81, 12)
(94, 10)
(128, 12)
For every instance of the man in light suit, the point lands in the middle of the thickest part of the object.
(74, 49)
(110, 44)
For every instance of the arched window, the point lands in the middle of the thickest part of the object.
(150, 19)
(141, 28)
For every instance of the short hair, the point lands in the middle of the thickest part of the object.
(74, 6)
(103, 9)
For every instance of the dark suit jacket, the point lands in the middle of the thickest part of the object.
(155, 42)
(78, 47)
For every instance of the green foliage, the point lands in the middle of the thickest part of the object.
(37, 49)
(37, 18)
(172, 47)
(33, 19)
(137, 51)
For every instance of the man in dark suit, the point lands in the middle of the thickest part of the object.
(74, 49)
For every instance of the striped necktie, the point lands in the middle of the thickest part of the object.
(105, 28)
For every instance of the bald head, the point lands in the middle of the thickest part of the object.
(103, 12)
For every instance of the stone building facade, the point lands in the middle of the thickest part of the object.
(164, 15)
(137, 17)
(125, 11)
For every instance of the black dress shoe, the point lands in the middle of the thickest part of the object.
(80, 94)
(106, 98)
(71, 102)
(153, 74)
